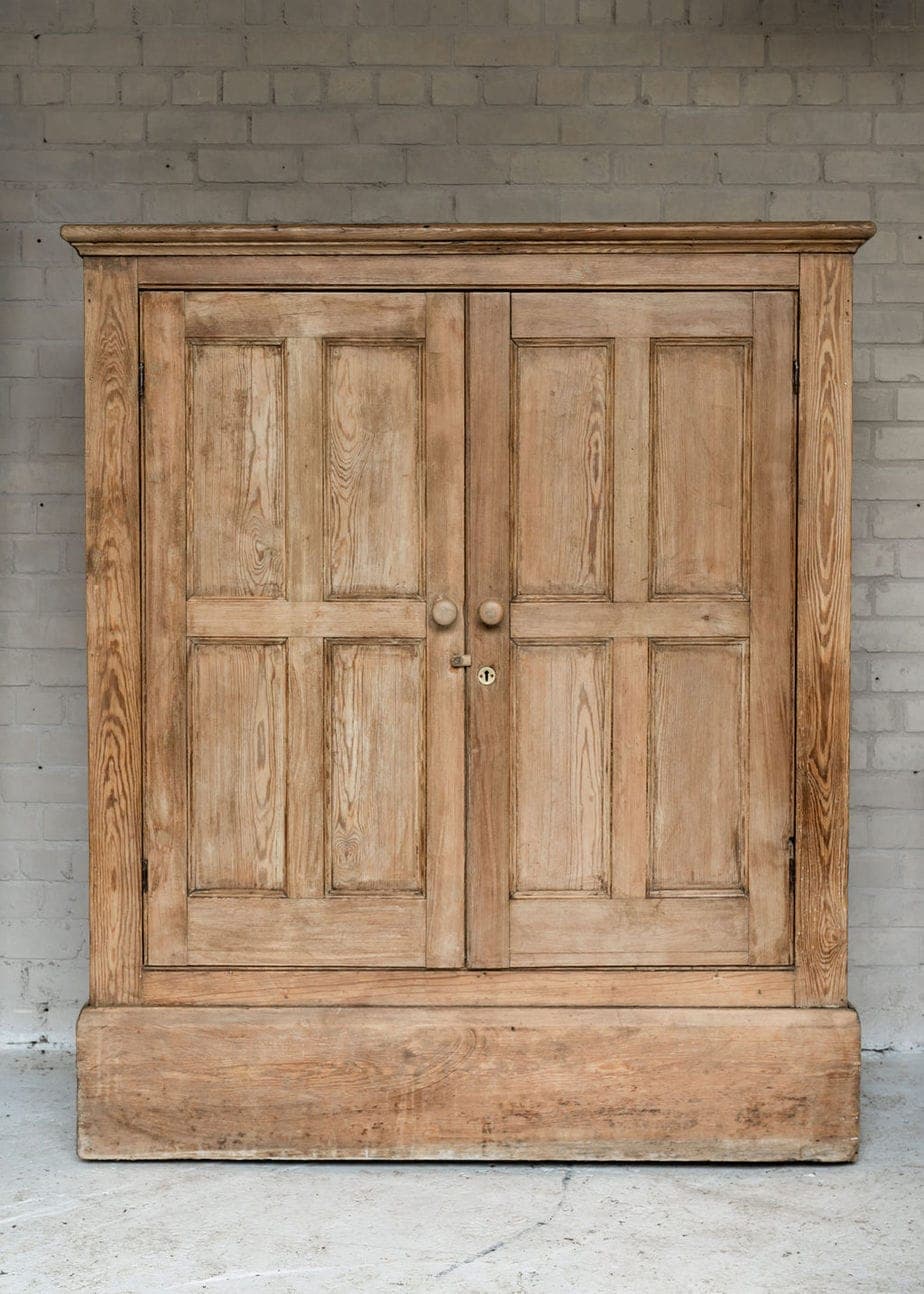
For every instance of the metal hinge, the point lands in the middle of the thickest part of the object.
(141, 380)
(792, 862)
(144, 876)
(795, 375)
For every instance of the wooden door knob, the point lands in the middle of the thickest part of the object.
(444, 612)
(490, 612)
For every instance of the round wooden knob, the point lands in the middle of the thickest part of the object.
(490, 612)
(444, 612)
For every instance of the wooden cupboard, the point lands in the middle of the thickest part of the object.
(468, 626)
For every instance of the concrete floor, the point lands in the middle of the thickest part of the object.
(348, 1229)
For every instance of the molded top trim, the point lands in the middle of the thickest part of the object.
(242, 240)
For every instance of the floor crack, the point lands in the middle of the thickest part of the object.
(516, 1235)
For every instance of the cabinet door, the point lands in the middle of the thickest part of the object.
(304, 730)
(631, 766)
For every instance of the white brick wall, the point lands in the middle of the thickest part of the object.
(214, 110)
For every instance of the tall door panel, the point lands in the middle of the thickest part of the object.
(630, 774)
(303, 516)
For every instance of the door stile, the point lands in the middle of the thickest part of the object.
(630, 438)
(771, 788)
(444, 397)
(489, 578)
(304, 437)
(164, 571)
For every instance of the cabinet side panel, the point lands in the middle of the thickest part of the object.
(113, 629)
(823, 637)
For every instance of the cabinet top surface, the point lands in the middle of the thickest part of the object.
(242, 240)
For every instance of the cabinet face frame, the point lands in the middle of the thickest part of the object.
(815, 259)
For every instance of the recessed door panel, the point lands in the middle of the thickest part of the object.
(236, 450)
(375, 694)
(236, 742)
(700, 468)
(374, 469)
(561, 727)
(563, 449)
(698, 752)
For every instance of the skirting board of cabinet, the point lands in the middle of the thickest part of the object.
(594, 1083)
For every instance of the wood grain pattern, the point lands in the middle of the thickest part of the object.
(444, 385)
(630, 314)
(463, 1083)
(277, 618)
(690, 618)
(632, 435)
(772, 654)
(823, 647)
(164, 556)
(305, 769)
(236, 440)
(373, 470)
(531, 1053)
(563, 454)
(690, 931)
(237, 766)
(562, 711)
(701, 468)
(113, 629)
(680, 502)
(536, 987)
(338, 837)
(470, 271)
(488, 574)
(843, 236)
(272, 930)
(629, 795)
(375, 760)
(698, 771)
(304, 371)
(292, 315)
(407, 618)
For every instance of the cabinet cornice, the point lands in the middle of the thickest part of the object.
(384, 240)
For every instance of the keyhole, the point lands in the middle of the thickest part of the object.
(486, 675)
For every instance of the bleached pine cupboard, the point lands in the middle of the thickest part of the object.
(468, 615)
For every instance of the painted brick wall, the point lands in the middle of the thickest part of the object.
(418, 110)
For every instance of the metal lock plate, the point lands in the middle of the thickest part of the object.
(486, 675)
